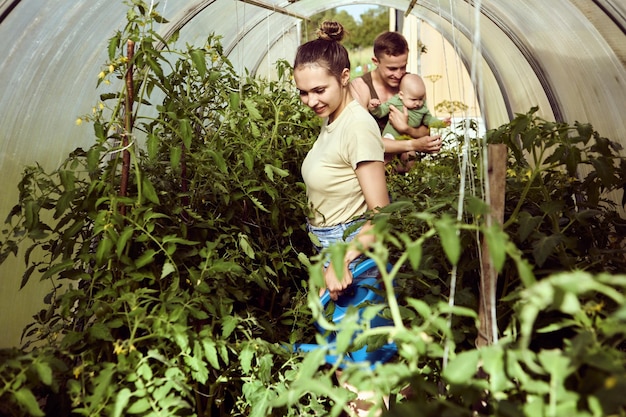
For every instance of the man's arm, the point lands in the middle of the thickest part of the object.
(360, 91)
(425, 144)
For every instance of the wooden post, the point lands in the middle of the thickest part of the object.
(488, 330)
(128, 123)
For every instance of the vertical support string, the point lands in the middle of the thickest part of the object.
(466, 169)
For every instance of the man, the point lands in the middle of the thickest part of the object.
(391, 53)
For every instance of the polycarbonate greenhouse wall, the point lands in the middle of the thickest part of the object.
(566, 56)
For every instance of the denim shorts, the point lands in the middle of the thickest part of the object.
(329, 235)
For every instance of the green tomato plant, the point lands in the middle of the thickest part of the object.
(172, 243)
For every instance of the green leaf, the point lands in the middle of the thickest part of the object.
(152, 144)
(527, 224)
(514, 369)
(123, 239)
(270, 170)
(198, 368)
(573, 159)
(98, 129)
(219, 161)
(44, 372)
(57, 268)
(148, 190)
(31, 215)
(144, 371)
(154, 66)
(104, 250)
(258, 204)
(63, 203)
(253, 112)
(176, 153)
(93, 159)
(245, 246)
(525, 271)
(99, 331)
(113, 44)
(545, 247)
(254, 129)
(27, 400)
(220, 265)
(168, 268)
(556, 363)
(139, 406)
(121, 401)
(210, 352)
(262, 404)
(178, 240)
(68, 180)
(450, 240)
(477, 206)
(234, 99)
(146, 258)
(311, 363)
(102, 383)
(265, 368)
(245, 358)
(493, 364)
(422, 308)
(229, 323)
(248, 160)
(223, 352)
(346, 334)
(73, 230)
(199, 62)
(496, 242)
(414, 251)
(26, 276)
(604, 170)
(186, 132)
(462, 368)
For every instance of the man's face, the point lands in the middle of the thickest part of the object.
(392, 68)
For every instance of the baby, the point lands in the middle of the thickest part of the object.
(412, 95)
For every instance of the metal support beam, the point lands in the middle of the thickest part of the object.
(274, 8)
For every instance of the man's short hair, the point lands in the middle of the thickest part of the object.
(390, 43)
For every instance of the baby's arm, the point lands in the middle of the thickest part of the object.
(373, 104)
(377, 108)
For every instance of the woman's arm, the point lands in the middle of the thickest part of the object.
(371, 176)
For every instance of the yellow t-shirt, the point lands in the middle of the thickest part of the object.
(333, 190)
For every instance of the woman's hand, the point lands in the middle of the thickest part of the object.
(335, 286)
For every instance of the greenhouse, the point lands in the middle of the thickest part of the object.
(155, 257)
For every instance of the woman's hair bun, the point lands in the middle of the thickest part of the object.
(330, 31)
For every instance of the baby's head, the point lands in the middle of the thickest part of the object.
(412, 91)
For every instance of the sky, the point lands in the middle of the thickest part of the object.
(356, 10)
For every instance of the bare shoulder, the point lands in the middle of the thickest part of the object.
(360, 91)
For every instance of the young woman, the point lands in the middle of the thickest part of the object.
(344, 171)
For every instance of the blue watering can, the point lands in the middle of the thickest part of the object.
(361, 291)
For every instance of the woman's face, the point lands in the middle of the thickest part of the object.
(320, 90)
